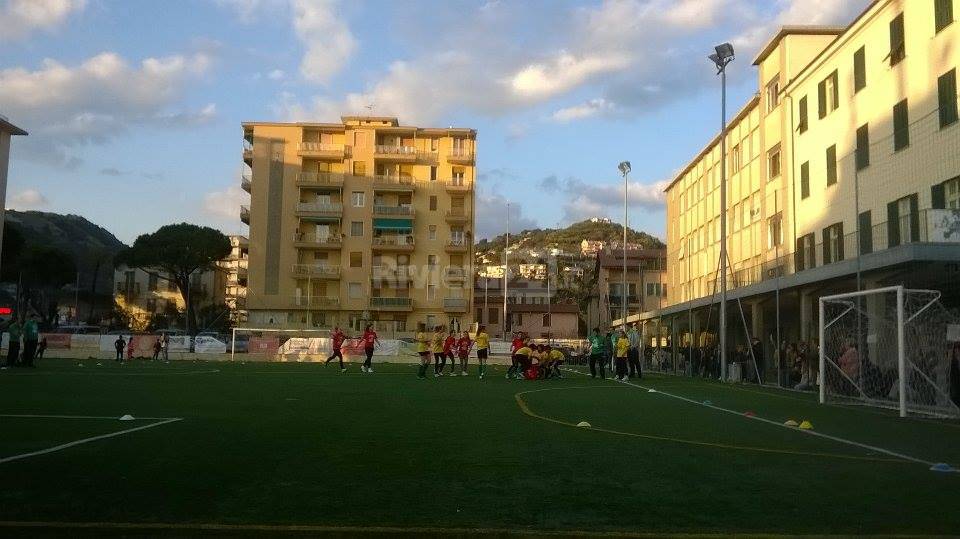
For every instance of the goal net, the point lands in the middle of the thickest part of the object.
(889, 347)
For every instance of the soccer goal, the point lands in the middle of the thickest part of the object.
(267, 344)
(888, 347)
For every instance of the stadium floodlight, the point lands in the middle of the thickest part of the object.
(722, 57)
(624, 168)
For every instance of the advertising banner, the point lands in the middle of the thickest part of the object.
(263, 345)
(209, 345)
(57, 341)
(85, 342)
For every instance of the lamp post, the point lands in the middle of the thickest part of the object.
(624, 167)
(722, 56)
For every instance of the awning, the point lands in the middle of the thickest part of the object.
(393, 224)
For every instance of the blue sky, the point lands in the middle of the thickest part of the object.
(134, 107)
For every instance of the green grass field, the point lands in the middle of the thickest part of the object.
(302, 447)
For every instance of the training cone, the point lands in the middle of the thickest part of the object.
(806, 425)
(583, 424)
(791, 423)
(651, 391)
(99, 364)
(748, 413)
(942, 467)
(126, 417)
(708, 403)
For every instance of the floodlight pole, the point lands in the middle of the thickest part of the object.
(506, 272)
(623, 297)
(722, 60)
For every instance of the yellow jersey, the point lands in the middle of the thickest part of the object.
(438, 343)
(556, 355)
(421, 342)
(483, 340)
(524, 351)
(623, 344)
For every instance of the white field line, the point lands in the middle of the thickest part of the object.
(86, 440)
(59, 416)
(93, 372)
(780, 425)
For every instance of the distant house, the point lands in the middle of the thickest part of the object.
(591, 247)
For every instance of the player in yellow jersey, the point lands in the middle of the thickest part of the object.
(521, 361)
(483, 349)
(437, 349)
(423, 350)
(622, 347)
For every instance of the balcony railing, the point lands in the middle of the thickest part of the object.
(317, 270)
(460, 154)
(334, 179)
(457, 185)
(390, 303)
(402, 211)
(457, 214)
(320, 207)
(396, 151)
(455, 304)
(312, 238)
(245, 214)
(314, 301)
(392, 180)
(398, 240)
(391, 273)
(246, 182)
(323, 149)
(457, 273)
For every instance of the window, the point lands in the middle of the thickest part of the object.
(152, 282)
(805, 180)
(433, 145)
(356, 259)
(358, 198)
(903, 213)
(735, 159)
(803, 124)
(946, 195)
(859, 70)
(805, 255)
(898, 47)
(433, 173)
(829, 93)
(546, 320)
(433, 232)
(775, 231)
(903, 221)
(431, 292)
(433, 202)
(355, 290)
(832, 165)
(865, 231)
(773, 93)
(773, 163)
(863, 147)
(942, 13)
(901, 126)
(432, 260)
(356, 229)
(359, 168)
(947, 96)
(493, 315)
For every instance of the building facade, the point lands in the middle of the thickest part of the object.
(235, 266)
(842, 174)
(646, 284)
(361, 221)
(141, 295)
(531, 308)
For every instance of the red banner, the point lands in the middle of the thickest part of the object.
(263, 345)
(57, 341)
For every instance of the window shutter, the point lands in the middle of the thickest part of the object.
(826, 245)
(822, 95)
(832, 165)
(836, 89)
(866, 233)
(840, 242)
(805, 180)
(863, 147)
(859, 70)
(901, 127)
(943, 13)
(803, 114)
(893, 225)
(947, 96)
(938, 197)
(914, 218)
(798, 255)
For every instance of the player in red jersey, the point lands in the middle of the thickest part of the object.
(337, 338)
(369, 340)
(449, 348)
(464, 344)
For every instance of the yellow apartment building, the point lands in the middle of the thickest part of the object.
(646, 284)
(235, 268)
(842, 171)
(141, 295)
(360, 221)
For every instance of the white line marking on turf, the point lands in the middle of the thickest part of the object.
(775, 423)
(56, 416)
(87, 440)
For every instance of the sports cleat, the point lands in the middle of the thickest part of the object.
(343, 371)
(464, 373)
(370, 370)
(437, 375)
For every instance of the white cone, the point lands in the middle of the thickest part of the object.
(583, 424)
(126, 417)
(651, 391)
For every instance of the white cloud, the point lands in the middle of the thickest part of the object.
(584, 110)
(492, 216)
(327, 38)
(601, 199)
(98, 99)
(224, 205)
(276, 74)
(245, 9)
(18, 18)
(29, 199)
(564, 73)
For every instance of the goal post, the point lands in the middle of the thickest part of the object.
(889, 347)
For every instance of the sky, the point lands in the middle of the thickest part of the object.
(134, 107)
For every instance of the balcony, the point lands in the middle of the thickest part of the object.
(460, 156)
(246, 183)
(406, 154)
(391, 304)
(455, 273)
(380, 210)
(392, 182)
(245, 214)
(316, 271)
(391, 273)
(313, 241)
(333, 180)
(457, 216)
(319, 210)
(457, 245)
(314, 302)
(457, 185)
(455, 305)
(394, 242)
(322, 150)
(248, 152)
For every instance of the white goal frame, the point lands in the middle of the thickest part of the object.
(901, 292)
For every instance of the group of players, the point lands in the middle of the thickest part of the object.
(445, 345)
(533, 361)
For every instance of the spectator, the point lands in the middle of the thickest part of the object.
(757, 348)
(31, 336)
(633, 355)
(119, 345)
(13, 348)
(157, 347)
(165, 346)
(42, 347)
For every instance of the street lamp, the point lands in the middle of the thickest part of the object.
(722, 57)
(624, 168)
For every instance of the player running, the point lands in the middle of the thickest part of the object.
(423, 350)
(483, 349)
(369, 340)
(449, 353)
(464, 344)
(337, 339)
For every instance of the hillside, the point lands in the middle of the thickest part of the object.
(92, 245)
(566, 239)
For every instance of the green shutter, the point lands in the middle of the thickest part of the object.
(832, 165)
(863, 147)
(836, 89)
(803, 114)
(914, 218)
(938, 197)
(943, 10)
(859, 70)
(947, 97)
(901, 126)
(826, 245)
(822, 95)
(805, 180)
(866, 233)
(893, 225)
(798, 255)
(840, 241)
(898, 48)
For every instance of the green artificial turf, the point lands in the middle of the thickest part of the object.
(301, 444)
